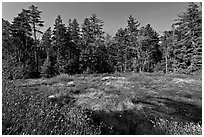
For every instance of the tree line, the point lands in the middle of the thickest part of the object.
(72, 49)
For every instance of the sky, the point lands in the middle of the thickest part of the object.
(114, 14)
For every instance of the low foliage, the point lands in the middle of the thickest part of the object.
(64, 78)
(173, 127)
(103, 104)
(32, 113)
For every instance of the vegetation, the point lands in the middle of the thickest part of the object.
(129, 104)
(78, 81)
(74, 50)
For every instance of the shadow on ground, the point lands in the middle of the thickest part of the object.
(142, 122)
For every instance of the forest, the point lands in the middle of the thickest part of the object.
(71, 48)
(76, 79)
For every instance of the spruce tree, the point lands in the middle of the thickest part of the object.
(132, 47)
(22, 40)
(92, 35)
(47, 69)
(61, 40)
(36, 23)
(74, 46)
(120, 45)
(189, 45)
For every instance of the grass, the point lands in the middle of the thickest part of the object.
(63, 78)
(32, 113)
(131, 103)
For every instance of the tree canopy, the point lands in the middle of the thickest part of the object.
(73, 48)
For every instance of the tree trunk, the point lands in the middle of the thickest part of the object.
(125, 58)
(166, 58)
(36, 49)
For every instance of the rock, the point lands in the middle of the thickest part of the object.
(106, 78)
(51, 96)
(93, 90)
(58, 85)
(178, 80)
(75, 91)
(113, 78)
(70, 84)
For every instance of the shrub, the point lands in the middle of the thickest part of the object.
(32, 113)
(173, 127)
(63, 78)
(47, 70)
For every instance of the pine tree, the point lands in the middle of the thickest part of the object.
(47, 69)
(120, 45)
(8, 50)
(21, 31)
(61, 39)
(74, 31)
(189, 46)
(132, 47)
(92, 34)
(7, 46)
(126, 40)
(74, 46)
(167, 49)
(148, 49)
(46, 42)
(22, 40)
(36, 22)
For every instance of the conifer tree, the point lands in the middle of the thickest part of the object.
(47, 69)
(92, 35)
(132, 47)
(36, 23)
(21, 33)
(74, 46)
(189, 37)
(60, 44)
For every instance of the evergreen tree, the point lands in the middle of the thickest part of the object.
(7, 46)
(149, 48)
(8, 57)
(36, 22)
(74, 31)
(22, 41)
(46, 42)
(167, 49)
(47, 69)
(92, 34)
(74, 46)
(132, 47)
(189, 46)
(61, 40)
(126, 40)
(120, 47)
(21, 31)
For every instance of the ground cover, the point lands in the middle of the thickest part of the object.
(131, 103)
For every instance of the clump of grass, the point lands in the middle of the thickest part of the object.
(173, 127)
(63, 78)
(175, 75)
(140, 78)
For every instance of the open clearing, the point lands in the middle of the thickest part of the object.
(104, 104)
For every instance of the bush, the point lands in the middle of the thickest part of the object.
(47, 69)
(160, 67)
(173, 127)
(15, 70)
(32, 113)
(63, 78)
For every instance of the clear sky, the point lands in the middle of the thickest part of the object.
(114, 14)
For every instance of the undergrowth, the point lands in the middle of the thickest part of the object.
(32, 113)
(28, 110)
(173, 127)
